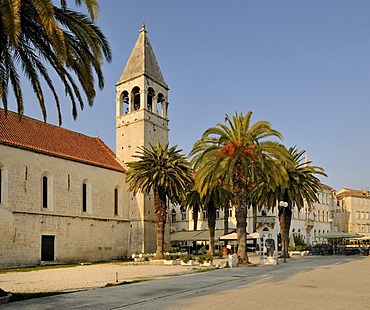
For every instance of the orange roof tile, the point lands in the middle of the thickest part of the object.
(41, 137)
(348, 192)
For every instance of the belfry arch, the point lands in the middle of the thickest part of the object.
(162, 105)
(135, 98)
(125, 102)
(150, 98)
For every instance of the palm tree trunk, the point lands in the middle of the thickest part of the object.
(195, 216)
(254, 212)
(160, 219)
(240, 211)
(226, 221)
(241, 228)
(211, 228)
(195, 220)
(285, 217)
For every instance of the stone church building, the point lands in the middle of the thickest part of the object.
(63, 195)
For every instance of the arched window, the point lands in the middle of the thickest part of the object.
(125, 102)
(150, 96)
(230, 212)
(84, 197)
(160, 100)
(136, 98)
(173, 215)
(116, 201)
(183, 214)
(45, 192)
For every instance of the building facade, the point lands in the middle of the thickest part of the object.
(320, 218)
(63, 195)
(308, 222)
(355, 211)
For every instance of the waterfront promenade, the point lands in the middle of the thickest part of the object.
(312, 282)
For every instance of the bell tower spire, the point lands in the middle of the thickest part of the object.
(141, 120)
(141, 101)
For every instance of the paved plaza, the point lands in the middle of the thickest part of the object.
(312, 282)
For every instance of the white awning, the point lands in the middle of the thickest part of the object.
(337, 235)
(233, 236)
(195, 235)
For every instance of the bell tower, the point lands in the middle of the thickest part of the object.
(141, 119)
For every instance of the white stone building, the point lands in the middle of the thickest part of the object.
(308, 222)
(63, 195)
(355, 211)
(320, 218)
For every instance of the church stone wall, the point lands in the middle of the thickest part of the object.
(97, 234)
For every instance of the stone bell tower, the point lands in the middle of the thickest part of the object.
(141, 119)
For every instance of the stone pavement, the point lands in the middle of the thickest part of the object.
(313, 282)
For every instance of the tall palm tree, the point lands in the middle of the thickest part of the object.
(300, 185)
(226, 208)
(233, 153)
(214, 198)
(193, 202)
(37, 34)
(167, 173)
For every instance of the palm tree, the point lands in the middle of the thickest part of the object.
(226, 207)
(215, 197)
(167, 173)
(193, 202)
(300, 185)
(233, 153)
(34, 33)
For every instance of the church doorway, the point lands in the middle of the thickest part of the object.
(47, 248)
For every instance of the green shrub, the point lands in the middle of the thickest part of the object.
(205, 258)
(174, 249)
(299, 239)
(208, 258)
(170, 256)
(203, 250)
(320, 245)
(185, 258)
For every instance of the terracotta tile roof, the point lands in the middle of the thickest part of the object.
(348, 192)
(40, 137)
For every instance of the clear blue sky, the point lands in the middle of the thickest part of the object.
(304, 66)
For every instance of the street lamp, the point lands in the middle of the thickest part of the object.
(331, 229)
(284, 205)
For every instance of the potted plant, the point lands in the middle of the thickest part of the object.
(205, 260)
(187, 260)
(170, 259)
